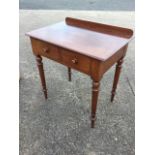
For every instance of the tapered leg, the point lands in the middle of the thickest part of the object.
(42, 76)
(116, 78)
(69, 74)
(95, 93)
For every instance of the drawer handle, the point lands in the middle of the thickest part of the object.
(45, 50)
(75, 61)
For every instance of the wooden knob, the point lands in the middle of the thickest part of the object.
(75, 61)
(45, 50)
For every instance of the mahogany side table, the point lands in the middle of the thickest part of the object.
(89, 47)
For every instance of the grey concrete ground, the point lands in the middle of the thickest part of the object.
(126, 5)
(61, 125)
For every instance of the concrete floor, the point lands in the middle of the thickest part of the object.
(61, 125)
(125, 5)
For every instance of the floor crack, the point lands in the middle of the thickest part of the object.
(132, 90)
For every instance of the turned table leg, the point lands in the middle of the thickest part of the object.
(42, 76)
(95, 93)
(69, 74)
(116, 78)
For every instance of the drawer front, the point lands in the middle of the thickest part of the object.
(76, 61)
(45, 49)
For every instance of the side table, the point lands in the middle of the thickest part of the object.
(89, 47)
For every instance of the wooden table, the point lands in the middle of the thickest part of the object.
(89, 47)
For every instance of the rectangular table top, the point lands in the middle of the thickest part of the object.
(96, 40)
